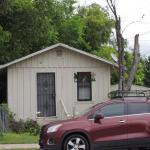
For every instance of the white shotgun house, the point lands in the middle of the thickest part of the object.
(55, 82)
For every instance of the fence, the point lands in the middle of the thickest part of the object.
(134, 87)
(3, 120)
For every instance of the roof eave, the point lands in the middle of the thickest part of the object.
(54, 46)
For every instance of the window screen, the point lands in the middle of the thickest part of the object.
(84, 86)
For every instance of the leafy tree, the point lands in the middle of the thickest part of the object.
(68, 7)
(114, 77)
(56, 10)
(88, 29)
(139, 76)
(29, 25)
(72, 31)
(147, 72)
(98, 26)
(5, 37)
(105, 52)
(30, 31)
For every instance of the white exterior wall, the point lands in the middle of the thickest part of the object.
(22, 82)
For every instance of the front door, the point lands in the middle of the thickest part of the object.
(46, 94)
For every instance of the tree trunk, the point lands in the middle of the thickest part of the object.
(120, 45)
(135, 63)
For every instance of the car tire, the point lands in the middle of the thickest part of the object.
(76, 142)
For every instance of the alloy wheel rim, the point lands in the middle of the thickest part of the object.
(76, 144)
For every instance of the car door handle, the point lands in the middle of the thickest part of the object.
(122, 121)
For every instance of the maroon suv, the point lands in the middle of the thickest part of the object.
(118, 123)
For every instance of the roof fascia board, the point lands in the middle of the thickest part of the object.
(54, 46)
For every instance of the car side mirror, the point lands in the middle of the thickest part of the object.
(98, 117)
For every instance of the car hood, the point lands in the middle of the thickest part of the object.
(60, 122)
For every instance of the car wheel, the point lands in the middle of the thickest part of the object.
(76, 142)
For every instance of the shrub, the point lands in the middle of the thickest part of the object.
(14, 126)
(32, 127)
(10, 115)
(17, 126)
(20, 126)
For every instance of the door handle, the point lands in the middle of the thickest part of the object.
(122, 121)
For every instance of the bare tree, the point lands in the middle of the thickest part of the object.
(120, 45)
(136, 60)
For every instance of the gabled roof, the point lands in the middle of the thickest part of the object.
(55, 46)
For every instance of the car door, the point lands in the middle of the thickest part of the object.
(138, 123)
(111, 131)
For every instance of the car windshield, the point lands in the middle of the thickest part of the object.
(78, 114)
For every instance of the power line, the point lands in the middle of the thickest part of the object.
(140, 40)
(140, 35)
(145, 33)
(138, 21)
(143, 50)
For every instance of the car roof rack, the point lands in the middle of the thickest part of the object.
(132, 93)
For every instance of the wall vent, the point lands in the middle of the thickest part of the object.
(59, 53)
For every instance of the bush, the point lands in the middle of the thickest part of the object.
(29, 126)
(32, 127)
(10, 115)
(17, 126)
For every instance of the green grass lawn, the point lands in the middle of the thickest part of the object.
(13, 138)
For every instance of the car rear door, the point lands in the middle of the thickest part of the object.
(138, 123)
(112, 129)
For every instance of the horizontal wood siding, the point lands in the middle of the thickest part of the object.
(22, 81)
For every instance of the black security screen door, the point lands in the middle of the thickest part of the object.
(46, 94)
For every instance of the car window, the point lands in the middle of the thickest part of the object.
(116, 109)
(137, 108)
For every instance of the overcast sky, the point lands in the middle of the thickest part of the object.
(132, 11)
